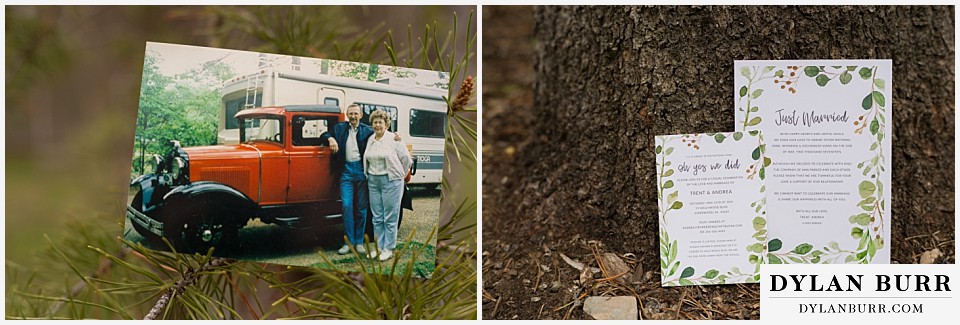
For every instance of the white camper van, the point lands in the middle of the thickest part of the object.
(418, 113)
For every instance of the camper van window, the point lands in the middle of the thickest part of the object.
(331, 101)
(231, 108)
(307, 130)
(370, 108)
(426, 124)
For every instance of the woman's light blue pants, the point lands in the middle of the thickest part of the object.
(385, 198)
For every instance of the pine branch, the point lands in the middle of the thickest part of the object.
(102, 268)
(189, 277)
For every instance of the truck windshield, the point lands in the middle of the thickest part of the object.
(261, 129)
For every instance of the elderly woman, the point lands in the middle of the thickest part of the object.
(386, 163)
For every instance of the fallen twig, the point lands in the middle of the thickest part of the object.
(680, 303)
(577, 265)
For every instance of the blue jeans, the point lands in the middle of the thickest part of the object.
(353, 193)
(385, 209)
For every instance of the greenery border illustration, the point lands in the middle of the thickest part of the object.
(669, 263)
(868, 225)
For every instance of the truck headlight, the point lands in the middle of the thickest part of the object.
(176, 166)
(153, 165)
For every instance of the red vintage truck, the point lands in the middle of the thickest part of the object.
(280, 172)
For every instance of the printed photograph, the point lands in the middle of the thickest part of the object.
(287, 160)
(242, 162)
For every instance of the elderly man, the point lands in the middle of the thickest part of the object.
(352, 137)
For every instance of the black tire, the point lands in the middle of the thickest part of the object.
(194, 225)
(151, 239)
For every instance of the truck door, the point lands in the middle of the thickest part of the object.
(311, 176)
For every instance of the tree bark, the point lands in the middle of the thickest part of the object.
(608, 79)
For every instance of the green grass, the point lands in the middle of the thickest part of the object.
(404, 255)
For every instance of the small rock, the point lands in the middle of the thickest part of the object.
(615, 266)
(586, 277)
(608, 308)
(637, 276)
(535, 299)
(929, 257)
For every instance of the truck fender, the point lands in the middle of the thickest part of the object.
(151, 192)
(214, 193)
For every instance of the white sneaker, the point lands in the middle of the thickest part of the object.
(372, 254)
(386, 255)
(344, 250)
(360, 249)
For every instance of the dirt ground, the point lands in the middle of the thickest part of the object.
(526, 237)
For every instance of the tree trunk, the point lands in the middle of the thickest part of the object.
(611, 78)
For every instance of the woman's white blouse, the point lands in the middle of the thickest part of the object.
(378, 152)
(386, 157)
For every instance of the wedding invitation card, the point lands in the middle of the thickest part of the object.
(827, 126)
(710, 193)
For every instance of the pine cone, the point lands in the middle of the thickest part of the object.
(463, 96)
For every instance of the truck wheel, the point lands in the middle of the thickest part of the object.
(202, 225)
(148, 236)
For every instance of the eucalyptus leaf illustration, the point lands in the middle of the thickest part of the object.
(773, 259)
(867, 188)
(879, 83)
(878, 97)
(711, 274)
(759, 223)
(774, 245)
(822, 80)
(845, 78)
(867, 102)
(719, 137)
(803, 248)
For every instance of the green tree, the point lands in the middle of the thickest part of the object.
(154, 110)
(183, 107)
